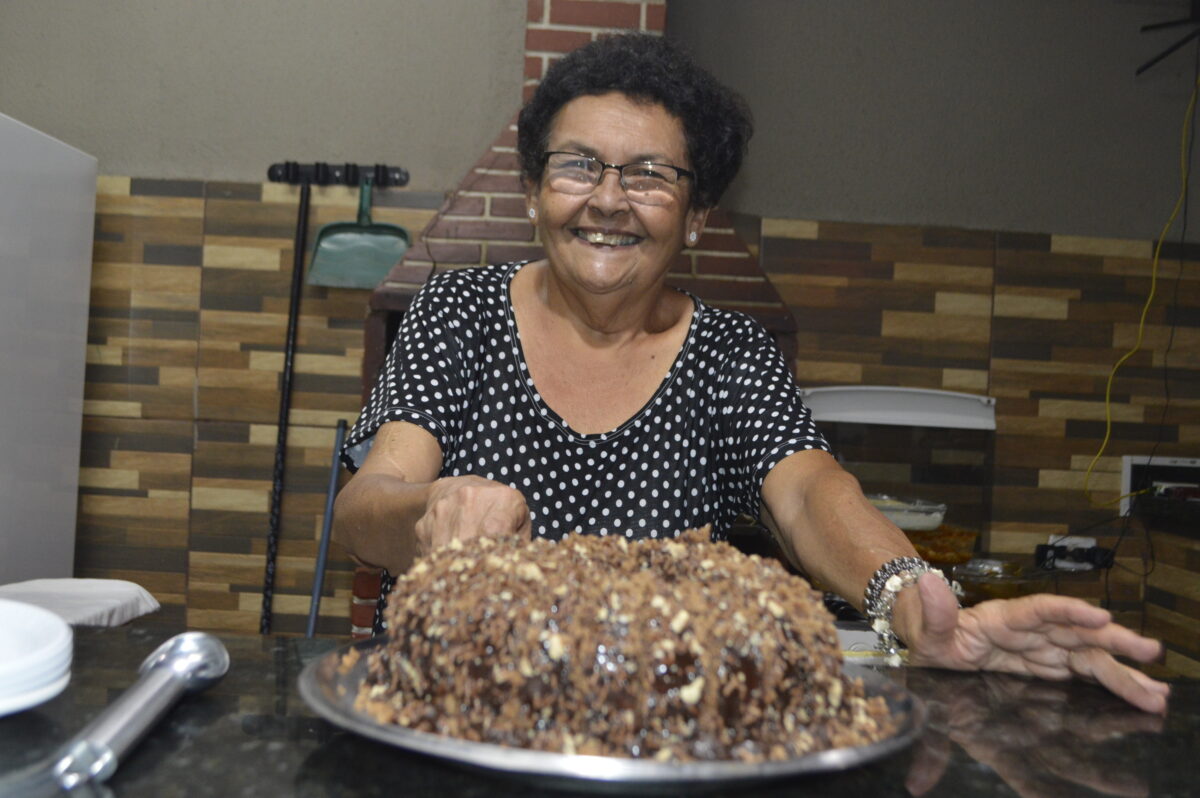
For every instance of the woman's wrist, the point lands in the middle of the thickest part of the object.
(893, 611)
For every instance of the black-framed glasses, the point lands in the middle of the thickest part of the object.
(644, 182)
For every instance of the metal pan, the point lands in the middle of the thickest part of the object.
(331, 694)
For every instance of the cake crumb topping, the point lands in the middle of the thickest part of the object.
(674, 650)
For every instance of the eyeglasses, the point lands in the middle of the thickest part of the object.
(646, 182)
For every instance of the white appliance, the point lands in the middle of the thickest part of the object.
(47, 216)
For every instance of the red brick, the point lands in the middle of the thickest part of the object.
(527, 92)
(555, 41)
(362, 615)
(656, 17)
(445, 252)
(507, 138)
(465, 206)
(485, 182)
(404, 272)
(718, 217)
(595, 14)
(716, 264)
(533, 66)
(682, 264)
(498, 159)
(487, 230)
(535, 10)
(507, 207)
(505, 253)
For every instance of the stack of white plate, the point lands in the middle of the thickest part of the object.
(35, 655)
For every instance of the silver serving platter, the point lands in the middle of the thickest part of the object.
(331, 692)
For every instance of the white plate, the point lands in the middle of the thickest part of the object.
(16, 703)
(35, 655)
(33, 681)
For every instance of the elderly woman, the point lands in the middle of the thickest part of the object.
(580, 394)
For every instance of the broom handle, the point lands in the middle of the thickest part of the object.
(285, 399)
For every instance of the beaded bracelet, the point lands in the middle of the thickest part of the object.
(892, 577)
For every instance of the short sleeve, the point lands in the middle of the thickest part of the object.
(424, 378)
(763, 417)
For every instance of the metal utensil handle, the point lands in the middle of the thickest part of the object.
(123, 723)
(187, 662)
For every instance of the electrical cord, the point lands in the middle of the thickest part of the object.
(1149, 562)
(1184, 159)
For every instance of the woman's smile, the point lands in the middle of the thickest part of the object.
(601, 241)
(605, 238)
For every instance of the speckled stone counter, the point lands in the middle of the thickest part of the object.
(251, 735)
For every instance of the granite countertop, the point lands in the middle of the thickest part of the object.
(252, 735)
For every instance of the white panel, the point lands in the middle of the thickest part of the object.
(916, 407)
(47, 212)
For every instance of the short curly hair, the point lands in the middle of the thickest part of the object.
(716, 120)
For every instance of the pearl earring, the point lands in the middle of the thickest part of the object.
(532, 213)
(691, 238)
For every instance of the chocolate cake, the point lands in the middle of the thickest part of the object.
(674, 650)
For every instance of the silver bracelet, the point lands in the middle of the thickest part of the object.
(880, 598)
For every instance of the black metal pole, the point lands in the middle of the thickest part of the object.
(314, 605)
(285, 400)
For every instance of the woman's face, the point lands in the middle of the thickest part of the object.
(632, 244)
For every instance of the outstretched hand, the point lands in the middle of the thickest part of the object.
(1048, 636)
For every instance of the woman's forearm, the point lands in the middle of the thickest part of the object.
(374, 519)
(835, 534)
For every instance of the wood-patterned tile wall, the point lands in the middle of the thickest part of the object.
(188, 318)
(1036, 321)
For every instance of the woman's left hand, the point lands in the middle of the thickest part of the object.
(1048, 636)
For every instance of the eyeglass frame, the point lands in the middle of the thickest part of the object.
(619, 168)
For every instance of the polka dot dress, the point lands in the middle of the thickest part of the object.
(696, 453)
(725, 413)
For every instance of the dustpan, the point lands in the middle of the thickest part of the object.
(357, 254)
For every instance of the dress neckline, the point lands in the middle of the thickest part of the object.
(548, 413)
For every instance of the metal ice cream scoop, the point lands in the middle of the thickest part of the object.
(188, 662)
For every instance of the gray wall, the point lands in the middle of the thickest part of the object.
(1016, 115)
(220, 89)
(1013, 115)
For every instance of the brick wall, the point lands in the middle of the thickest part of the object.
(483, 220)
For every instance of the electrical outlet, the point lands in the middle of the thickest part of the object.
(1070, 542)
(1139, 472)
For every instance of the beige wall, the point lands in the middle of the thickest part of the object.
(220, 89)
(1014, 115)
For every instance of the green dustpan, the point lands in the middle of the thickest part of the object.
(357, 254)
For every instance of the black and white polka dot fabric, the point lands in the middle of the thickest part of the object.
(726, 412)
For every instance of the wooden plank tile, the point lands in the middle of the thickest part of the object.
(150, 206)
(810, 372)
(217, 256)
(935, 327)
(1115, 247)
(959, 304)
(1065, 408)
(789, 228)
(1031, 307)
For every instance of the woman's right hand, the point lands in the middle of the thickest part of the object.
(464, 508)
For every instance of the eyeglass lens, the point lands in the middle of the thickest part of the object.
(646, 183)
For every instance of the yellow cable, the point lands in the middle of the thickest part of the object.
(1183, 172)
